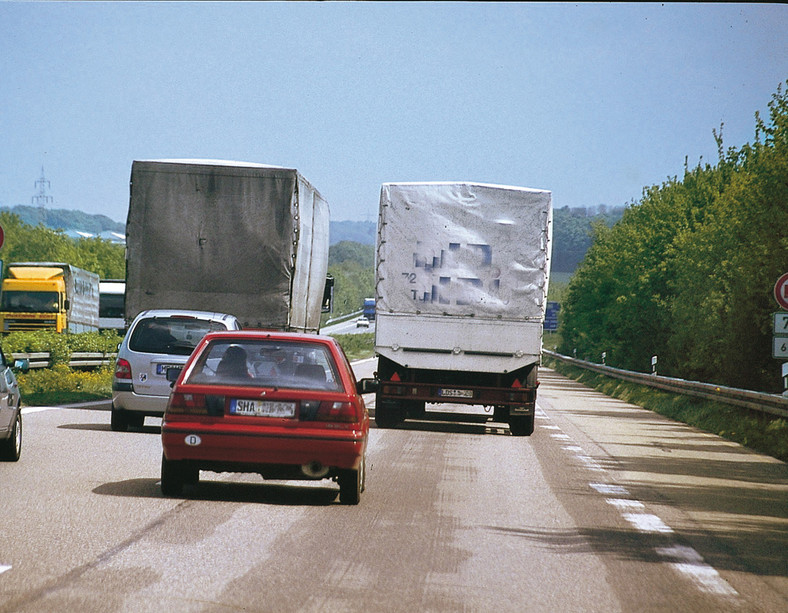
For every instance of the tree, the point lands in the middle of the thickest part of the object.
(687, 272)
(25, 243)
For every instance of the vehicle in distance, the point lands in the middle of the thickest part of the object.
(362, 322)
(283, 405)
(10, 410)
(369, 308)
(49, 296)
(112, 301)
(157, 341)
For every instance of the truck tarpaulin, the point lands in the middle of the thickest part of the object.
(464, 249)
(241, 238)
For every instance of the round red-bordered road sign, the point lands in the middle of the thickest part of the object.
(781, 291)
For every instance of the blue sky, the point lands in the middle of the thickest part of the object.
(592, 101)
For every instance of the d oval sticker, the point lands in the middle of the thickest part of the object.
(192, 440)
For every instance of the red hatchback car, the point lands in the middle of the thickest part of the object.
(283, 405)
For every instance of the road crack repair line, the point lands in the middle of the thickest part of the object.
(684, 559)
(63, 581)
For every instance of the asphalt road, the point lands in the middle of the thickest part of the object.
(605, 508)
(347, 327)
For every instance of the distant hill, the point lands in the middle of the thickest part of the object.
(364, 232)
(571, 228)
(63, 219)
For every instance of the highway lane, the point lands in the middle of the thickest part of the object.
(347, 327)
(605, 508)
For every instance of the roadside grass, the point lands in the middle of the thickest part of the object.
(757, 431)
(62, 385)
(357, 346)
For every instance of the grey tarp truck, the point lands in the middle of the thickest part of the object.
(462, 275)
(240, 238)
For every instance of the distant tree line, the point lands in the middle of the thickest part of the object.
(572, 233)
(353, 267)
(688, 272)
(28, 243)
(65, 219)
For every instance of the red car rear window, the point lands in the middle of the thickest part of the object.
(266, 363)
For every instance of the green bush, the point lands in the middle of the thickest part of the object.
(62, 385)
(59, 384)
(60, 346)
(357, 346)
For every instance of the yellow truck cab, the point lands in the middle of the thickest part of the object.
(49, 296)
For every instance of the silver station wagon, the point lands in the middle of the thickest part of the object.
(157, 341)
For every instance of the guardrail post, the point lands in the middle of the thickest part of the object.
(604, 355)
(785, 378)
(654, 365)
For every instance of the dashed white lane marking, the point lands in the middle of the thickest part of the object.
(686, 560)
(689, 562)
(4, 567)
(646, 522)
(610, 490)
(623, 503)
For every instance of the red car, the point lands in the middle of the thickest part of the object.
(283, 405)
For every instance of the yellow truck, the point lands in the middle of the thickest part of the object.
(49, 296)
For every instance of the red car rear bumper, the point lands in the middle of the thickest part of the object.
(262, 445)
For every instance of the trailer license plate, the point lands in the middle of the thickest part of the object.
(262, 408)
(447, 392)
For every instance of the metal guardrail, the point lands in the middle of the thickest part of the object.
(342, 318)
(773, 404)
(79, 359)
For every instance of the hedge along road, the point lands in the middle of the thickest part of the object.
(607, 507)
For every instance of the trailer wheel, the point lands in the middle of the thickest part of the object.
(501, 414)
(521, 425)
(387, 413)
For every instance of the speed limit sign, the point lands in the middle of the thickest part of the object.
(781, 291)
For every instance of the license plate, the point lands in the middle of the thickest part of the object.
(161, 369)
(447, 392)
(262, 408)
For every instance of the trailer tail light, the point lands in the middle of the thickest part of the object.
(122, 369)
(519, 394)
(394, 390)
(190, 404)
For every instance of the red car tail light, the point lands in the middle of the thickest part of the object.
(337, 411)
(192, 404)
(122, 369)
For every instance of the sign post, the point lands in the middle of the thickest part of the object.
(780, 327)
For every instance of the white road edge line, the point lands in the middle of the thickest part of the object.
(27, 410)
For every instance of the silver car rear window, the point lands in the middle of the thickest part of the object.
(171, 335)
